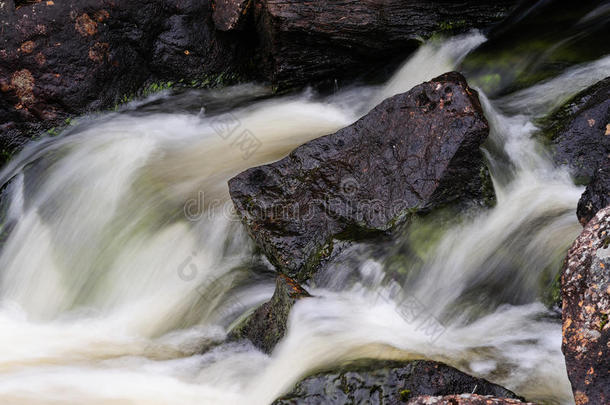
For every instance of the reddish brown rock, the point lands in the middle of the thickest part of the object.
(586, 308)
(465, 399)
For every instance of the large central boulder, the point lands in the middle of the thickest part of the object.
(412, 153)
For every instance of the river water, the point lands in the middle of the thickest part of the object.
(123, 265)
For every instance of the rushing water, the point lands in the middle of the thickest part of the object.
(122, 261)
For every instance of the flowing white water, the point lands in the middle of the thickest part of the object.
(122, 260)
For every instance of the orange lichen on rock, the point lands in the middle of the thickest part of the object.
(27, 47)
(40, 58)
(101, 15)
(22, 83)
(99, 52)
(85, 25)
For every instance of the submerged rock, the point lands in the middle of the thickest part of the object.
(586, 309)
(387, 382)
(579, 132)
(414, 152)
(306, 41)
(465, 399)
(267, 325)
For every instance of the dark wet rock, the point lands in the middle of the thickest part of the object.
(537, 41)
(60, 59)
(387, 382)
(580, 131)
(414, 152)
(579, 134)
(464, 399)
(267, 325)
(586, 308)
(231, 14)
(308, 41)
(64, 58)
(596, 195)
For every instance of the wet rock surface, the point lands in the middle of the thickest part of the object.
(586, 308)
(231, 14)
(580, 138)
(304, 41)
(412, 153)
(60, 59)
(64, 58)
(267, 325)
(464, 399)
(596, 195)
(387, 382)
(580, 132)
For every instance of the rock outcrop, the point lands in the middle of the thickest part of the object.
(60, 59)
(586, 308)
(267, 325)
(579, 132)
(387, 382)
(305, 41)
(64, 58)
(412, 153)
(465, 399)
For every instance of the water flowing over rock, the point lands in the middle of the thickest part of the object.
(465, 399)
(586, 308)
(537, 41)
(387, 382)
(414, 152)
(580, 136)
(316, 40)
(267, 325)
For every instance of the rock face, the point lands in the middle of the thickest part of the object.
(580, 137)
(60, 59)
(596, 195)
(414, 152)
(267, 325)
(231, 14)
(586, 308)
(464, 399)
(65, 58)
(304, 41)
(580, 131)
(387, 382)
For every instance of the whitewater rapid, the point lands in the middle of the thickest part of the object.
(123, 265)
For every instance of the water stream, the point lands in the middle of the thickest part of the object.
(122, 260)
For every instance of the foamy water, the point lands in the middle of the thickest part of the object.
(123, 265)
